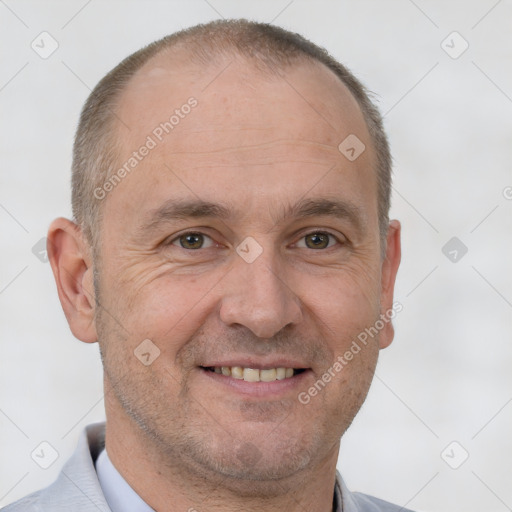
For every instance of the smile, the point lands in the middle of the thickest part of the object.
(254, 374)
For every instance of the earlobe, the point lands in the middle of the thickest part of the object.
(390, 266)
(71, 261)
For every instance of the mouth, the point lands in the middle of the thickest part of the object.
(254, 374)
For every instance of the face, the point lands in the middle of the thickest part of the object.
(245, 246)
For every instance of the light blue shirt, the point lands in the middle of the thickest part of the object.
(118, 493)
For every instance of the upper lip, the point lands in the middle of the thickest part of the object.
(257, 363)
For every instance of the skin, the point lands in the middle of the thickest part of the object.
(178, 434)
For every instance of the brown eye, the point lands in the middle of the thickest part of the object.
(191, 240)
(317, 240)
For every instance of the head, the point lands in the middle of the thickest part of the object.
(231, 191)
(270, 49)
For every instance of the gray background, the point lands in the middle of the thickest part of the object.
(447, 376)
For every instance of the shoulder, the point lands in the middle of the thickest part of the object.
(29, 503)
(359, 502)
(367, 503)
(77, 487)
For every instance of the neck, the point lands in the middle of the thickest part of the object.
(166, 484)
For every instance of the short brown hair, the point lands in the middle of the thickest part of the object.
(270, 47)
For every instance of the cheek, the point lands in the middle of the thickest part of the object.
(152, 301)
(161, 306)
(348, 300)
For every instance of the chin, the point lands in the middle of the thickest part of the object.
(255, 466)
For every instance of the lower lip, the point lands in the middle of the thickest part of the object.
(259, 389)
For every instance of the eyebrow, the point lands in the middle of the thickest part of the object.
(183, 209)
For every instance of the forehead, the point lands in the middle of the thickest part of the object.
(304, 96)
(247, 135)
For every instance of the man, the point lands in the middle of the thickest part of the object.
(232, 255)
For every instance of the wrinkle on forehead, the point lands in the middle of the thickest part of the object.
(271, 152)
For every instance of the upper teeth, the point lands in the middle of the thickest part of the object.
(253, 374)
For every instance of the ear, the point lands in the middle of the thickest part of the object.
(389, 270)
(71, 261)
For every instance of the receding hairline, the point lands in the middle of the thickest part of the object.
(271, 53)
(179, 64)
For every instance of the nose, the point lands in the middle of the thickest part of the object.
(257, 296)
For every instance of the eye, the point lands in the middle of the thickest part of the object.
(318, 240)
(193, 240)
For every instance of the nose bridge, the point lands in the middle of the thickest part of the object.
(257, 296)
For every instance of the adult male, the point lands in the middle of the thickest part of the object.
(232, 255)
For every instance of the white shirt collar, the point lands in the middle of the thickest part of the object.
(122, 498)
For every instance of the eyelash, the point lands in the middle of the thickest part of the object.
(314, 232)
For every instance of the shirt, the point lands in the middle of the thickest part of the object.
(122, 498)
(118, 493)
